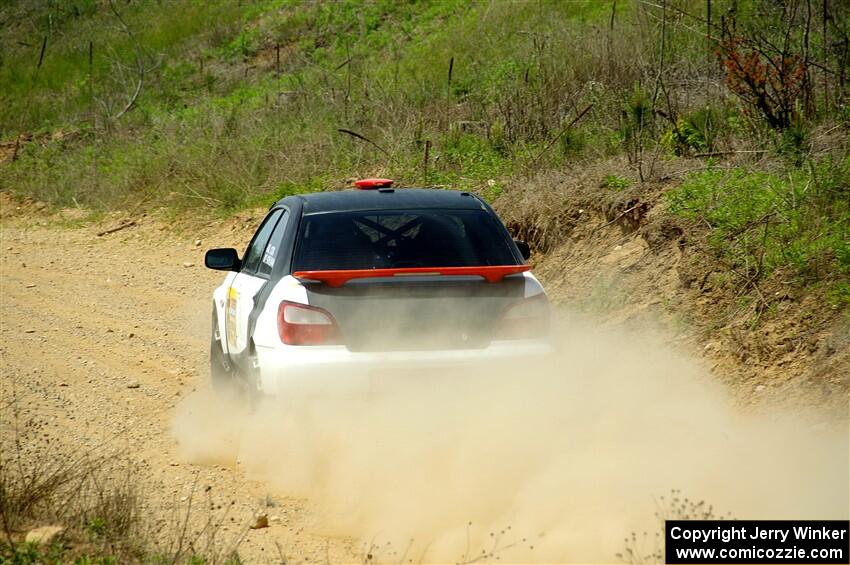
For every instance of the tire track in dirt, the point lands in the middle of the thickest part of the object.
(99, 340)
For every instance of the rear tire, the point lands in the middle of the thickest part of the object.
(222, 375)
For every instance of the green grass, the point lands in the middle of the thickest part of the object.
(215, 128)
(615, 182)
(760, 222)
(65, 88)
(33, 554)
(60, 553)
(839, 295)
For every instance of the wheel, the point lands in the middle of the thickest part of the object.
(222, 374)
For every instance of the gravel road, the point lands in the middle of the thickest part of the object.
(100, 339)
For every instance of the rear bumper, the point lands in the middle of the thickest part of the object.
(336, 370)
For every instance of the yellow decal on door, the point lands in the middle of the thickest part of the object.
(232, 299)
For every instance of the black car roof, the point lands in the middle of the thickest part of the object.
(386, 199)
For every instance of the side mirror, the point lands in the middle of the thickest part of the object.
(524, 249)
(224, 259)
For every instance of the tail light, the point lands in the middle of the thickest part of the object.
(527, 319)
(299, 324)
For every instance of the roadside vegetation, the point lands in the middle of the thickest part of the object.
(224, 105)
(218, 106)
(88, 509)
(761, 222)
(62, 505)
(71, 511)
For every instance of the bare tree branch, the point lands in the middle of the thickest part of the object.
(561, 133)
(139, 62)
(366, 139)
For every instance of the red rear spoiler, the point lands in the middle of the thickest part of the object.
(339, 278)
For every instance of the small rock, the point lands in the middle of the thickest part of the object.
(31, 285)
(29, 331)
(760, 388)
(133, 384)
(45, 535)
(274, 519)
(188, 264)
(131, 334)
(197, 242)
(262, 521)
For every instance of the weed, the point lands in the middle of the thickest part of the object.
(839, 295)
(693, 133)
(760, 221)
(615, 182)
(96, 526)
(573, 142)
(85, 495)
(793, 141)
(94, 495)
(648, 548)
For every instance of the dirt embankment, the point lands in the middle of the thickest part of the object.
(618, 256)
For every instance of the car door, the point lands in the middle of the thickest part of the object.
(257, 266)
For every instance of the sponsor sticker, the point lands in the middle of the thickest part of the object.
(232, 301)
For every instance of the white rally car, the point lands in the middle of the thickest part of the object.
(336, 287)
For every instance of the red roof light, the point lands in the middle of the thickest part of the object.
(368, 184)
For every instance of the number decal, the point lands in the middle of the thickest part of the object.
(269, 255)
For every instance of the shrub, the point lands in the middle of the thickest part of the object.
(89, 495)
(693, 133)
(768, 80)
(615, 182)
(760, 221)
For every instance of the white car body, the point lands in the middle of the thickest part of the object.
(248, 307)
(281, 366)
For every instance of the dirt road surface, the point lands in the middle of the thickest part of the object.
(100, 338)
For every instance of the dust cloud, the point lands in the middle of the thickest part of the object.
(559, 460)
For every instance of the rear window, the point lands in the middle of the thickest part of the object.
(400, 239)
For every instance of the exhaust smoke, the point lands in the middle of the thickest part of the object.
(556, 460)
